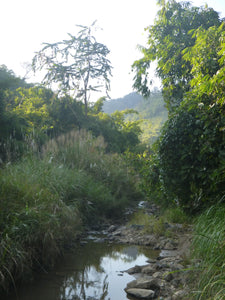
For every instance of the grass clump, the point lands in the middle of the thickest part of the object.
(158, 224)
(209, 247)
(175, 215)
(35, 222)
(81, 151)
(152, 224)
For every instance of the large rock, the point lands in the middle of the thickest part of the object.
(134, 270)
(150, 269)
(141, 293)
(144, 283)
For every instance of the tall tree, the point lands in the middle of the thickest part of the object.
(78, 64)
(171, 33)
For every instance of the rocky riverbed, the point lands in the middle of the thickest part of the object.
(161, 278)
(164, 278)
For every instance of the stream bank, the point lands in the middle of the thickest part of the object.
(164, 277)
(116, 263)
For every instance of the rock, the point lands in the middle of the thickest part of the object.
(179, 295)
(150, 269)
(149, 240)
(137, 227)
(157, 275)
(176, 267)
(168, 253)
(135, 269)
(141, 293)
(144, 283)
(169, 246)
(161, 265)
(112, 228)
(168, 277)
(151, 261)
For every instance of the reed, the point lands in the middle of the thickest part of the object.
(209, 248)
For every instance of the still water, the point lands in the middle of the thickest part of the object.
(90, 272)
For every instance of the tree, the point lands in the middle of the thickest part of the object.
(78, 64)
(171, 33)
(8, 80)
(192, 146)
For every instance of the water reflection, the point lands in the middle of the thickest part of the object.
(92, 271)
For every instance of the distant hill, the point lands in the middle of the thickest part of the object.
(151, 111)
(127, 102)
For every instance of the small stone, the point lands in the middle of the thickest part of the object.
(179, 295)
(157, 275)
(168, 277)
(169, 246)
(112, 228)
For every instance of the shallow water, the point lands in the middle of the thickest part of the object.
(93, 271)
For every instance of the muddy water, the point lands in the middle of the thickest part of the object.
(92, 271)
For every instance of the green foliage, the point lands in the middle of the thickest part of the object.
(80, 150)
(12, 125)
(209, 248)
(118, 134)
(44, 201)
(8, 79)
(151, 113)
(30, 115)
(35, 222)
(192, 144)
(75, 64)
(152, 224)
(168, 37)
(187, 43)
(146, 164)
(176, 215)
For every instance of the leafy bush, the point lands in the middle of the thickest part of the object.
(191, 156)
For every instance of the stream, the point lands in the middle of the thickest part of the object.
(93, 270)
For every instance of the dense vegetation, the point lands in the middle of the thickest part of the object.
(187, 167)
(66, 164)
(152, 113)
(61, 171)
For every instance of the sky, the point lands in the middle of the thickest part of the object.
(26, 24)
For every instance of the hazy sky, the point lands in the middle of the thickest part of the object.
(26, 24)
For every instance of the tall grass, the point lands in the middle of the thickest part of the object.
(80, 150)
(45, 201)
(35, 222)
(209, 247)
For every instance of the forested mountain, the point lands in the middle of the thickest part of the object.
(151, 112)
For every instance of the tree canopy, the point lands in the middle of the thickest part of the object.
(188, 44)
(171, 33)
(78, 64)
